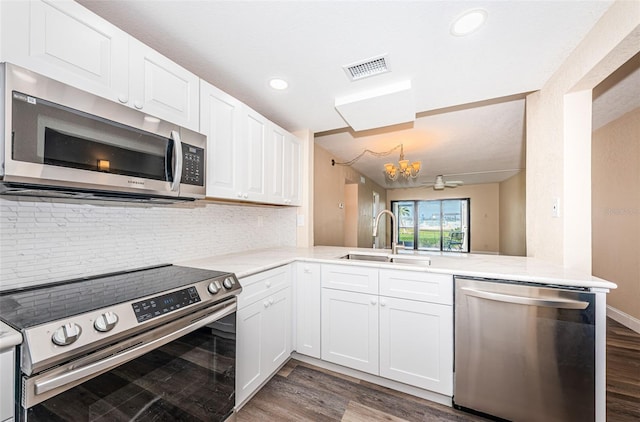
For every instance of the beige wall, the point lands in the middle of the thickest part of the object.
(304, 213)
(559, 140)
(329, 193)
(616, 209)
(350, 229)
(485, 213)
(512, 215)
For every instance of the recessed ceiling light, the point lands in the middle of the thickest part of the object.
(468, 22)
(279, 84)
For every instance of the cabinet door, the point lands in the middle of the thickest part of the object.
(308, 309)
(292, 168)
(250, 370)
(351, 278)
(66, 42)
(6, 384)
(350, 329)
(416, 343)
(417, 285)
(277, 329)
(161, 87)
(277, 139)
(254, 163)
(220, 121)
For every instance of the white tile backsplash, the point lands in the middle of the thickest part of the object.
(46, 240)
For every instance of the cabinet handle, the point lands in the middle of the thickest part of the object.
(270, 301)
(383, 303)
(266, 304)
(268, 284)
(245, 196)
(374, 301)
(138, 105)
(239, 194)
(123, 98)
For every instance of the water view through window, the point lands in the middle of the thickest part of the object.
(436, 225)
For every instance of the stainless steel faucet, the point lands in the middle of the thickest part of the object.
(394, 223)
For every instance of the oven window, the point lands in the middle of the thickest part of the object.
(189, 379)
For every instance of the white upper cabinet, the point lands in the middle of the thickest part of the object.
(162, 88)
(252, 163)
(292, 164)
(277, 139)
(220, 115)
(66, 42)
(284, 165)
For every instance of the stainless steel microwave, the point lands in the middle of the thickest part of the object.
(58, 140)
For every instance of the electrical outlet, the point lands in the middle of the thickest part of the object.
(555, 208)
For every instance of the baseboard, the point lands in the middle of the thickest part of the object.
(624, 319)
(394, 385)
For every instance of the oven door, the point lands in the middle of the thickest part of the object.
(184, 370)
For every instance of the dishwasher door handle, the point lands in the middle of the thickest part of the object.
(524, 300)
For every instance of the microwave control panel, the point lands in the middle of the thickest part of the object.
(192, 165)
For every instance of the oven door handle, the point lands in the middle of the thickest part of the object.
(104, 365)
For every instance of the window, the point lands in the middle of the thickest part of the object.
(438, 225)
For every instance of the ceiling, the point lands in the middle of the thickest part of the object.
(468, 91)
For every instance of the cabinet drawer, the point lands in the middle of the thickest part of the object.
(261, 285)
(350, 278)
(414, 285)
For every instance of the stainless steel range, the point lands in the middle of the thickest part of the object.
(151, 344)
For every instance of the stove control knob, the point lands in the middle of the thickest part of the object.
(214, 287)
(105, 322)
(228, 283)
(66, 334)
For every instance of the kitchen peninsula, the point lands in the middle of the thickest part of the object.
(393, 323)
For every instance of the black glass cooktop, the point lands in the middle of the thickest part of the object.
(24, 308)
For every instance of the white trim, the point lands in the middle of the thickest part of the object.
(623, 318)
(601, 357)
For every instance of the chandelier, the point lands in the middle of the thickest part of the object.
(404, 169)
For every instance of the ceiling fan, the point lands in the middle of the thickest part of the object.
(440, 183)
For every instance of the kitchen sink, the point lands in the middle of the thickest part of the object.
(363, 256)
(420, 260)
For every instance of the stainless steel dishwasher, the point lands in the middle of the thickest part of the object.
(524, 352)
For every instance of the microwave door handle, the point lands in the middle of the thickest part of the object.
(177, 169)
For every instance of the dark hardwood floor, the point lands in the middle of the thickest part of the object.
(302, 392)
(623, 373)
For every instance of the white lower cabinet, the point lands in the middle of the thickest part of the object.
(350, 329)
(404, 333)
(307, 306)
(416, 344)
(264, 329)
(6, 384)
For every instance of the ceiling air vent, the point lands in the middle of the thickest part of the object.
(370, 67)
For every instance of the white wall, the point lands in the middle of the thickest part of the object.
(46, 240)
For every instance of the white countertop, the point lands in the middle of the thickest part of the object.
(476, 265)
(8, 337)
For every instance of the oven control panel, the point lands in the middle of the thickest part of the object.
(163, 304)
